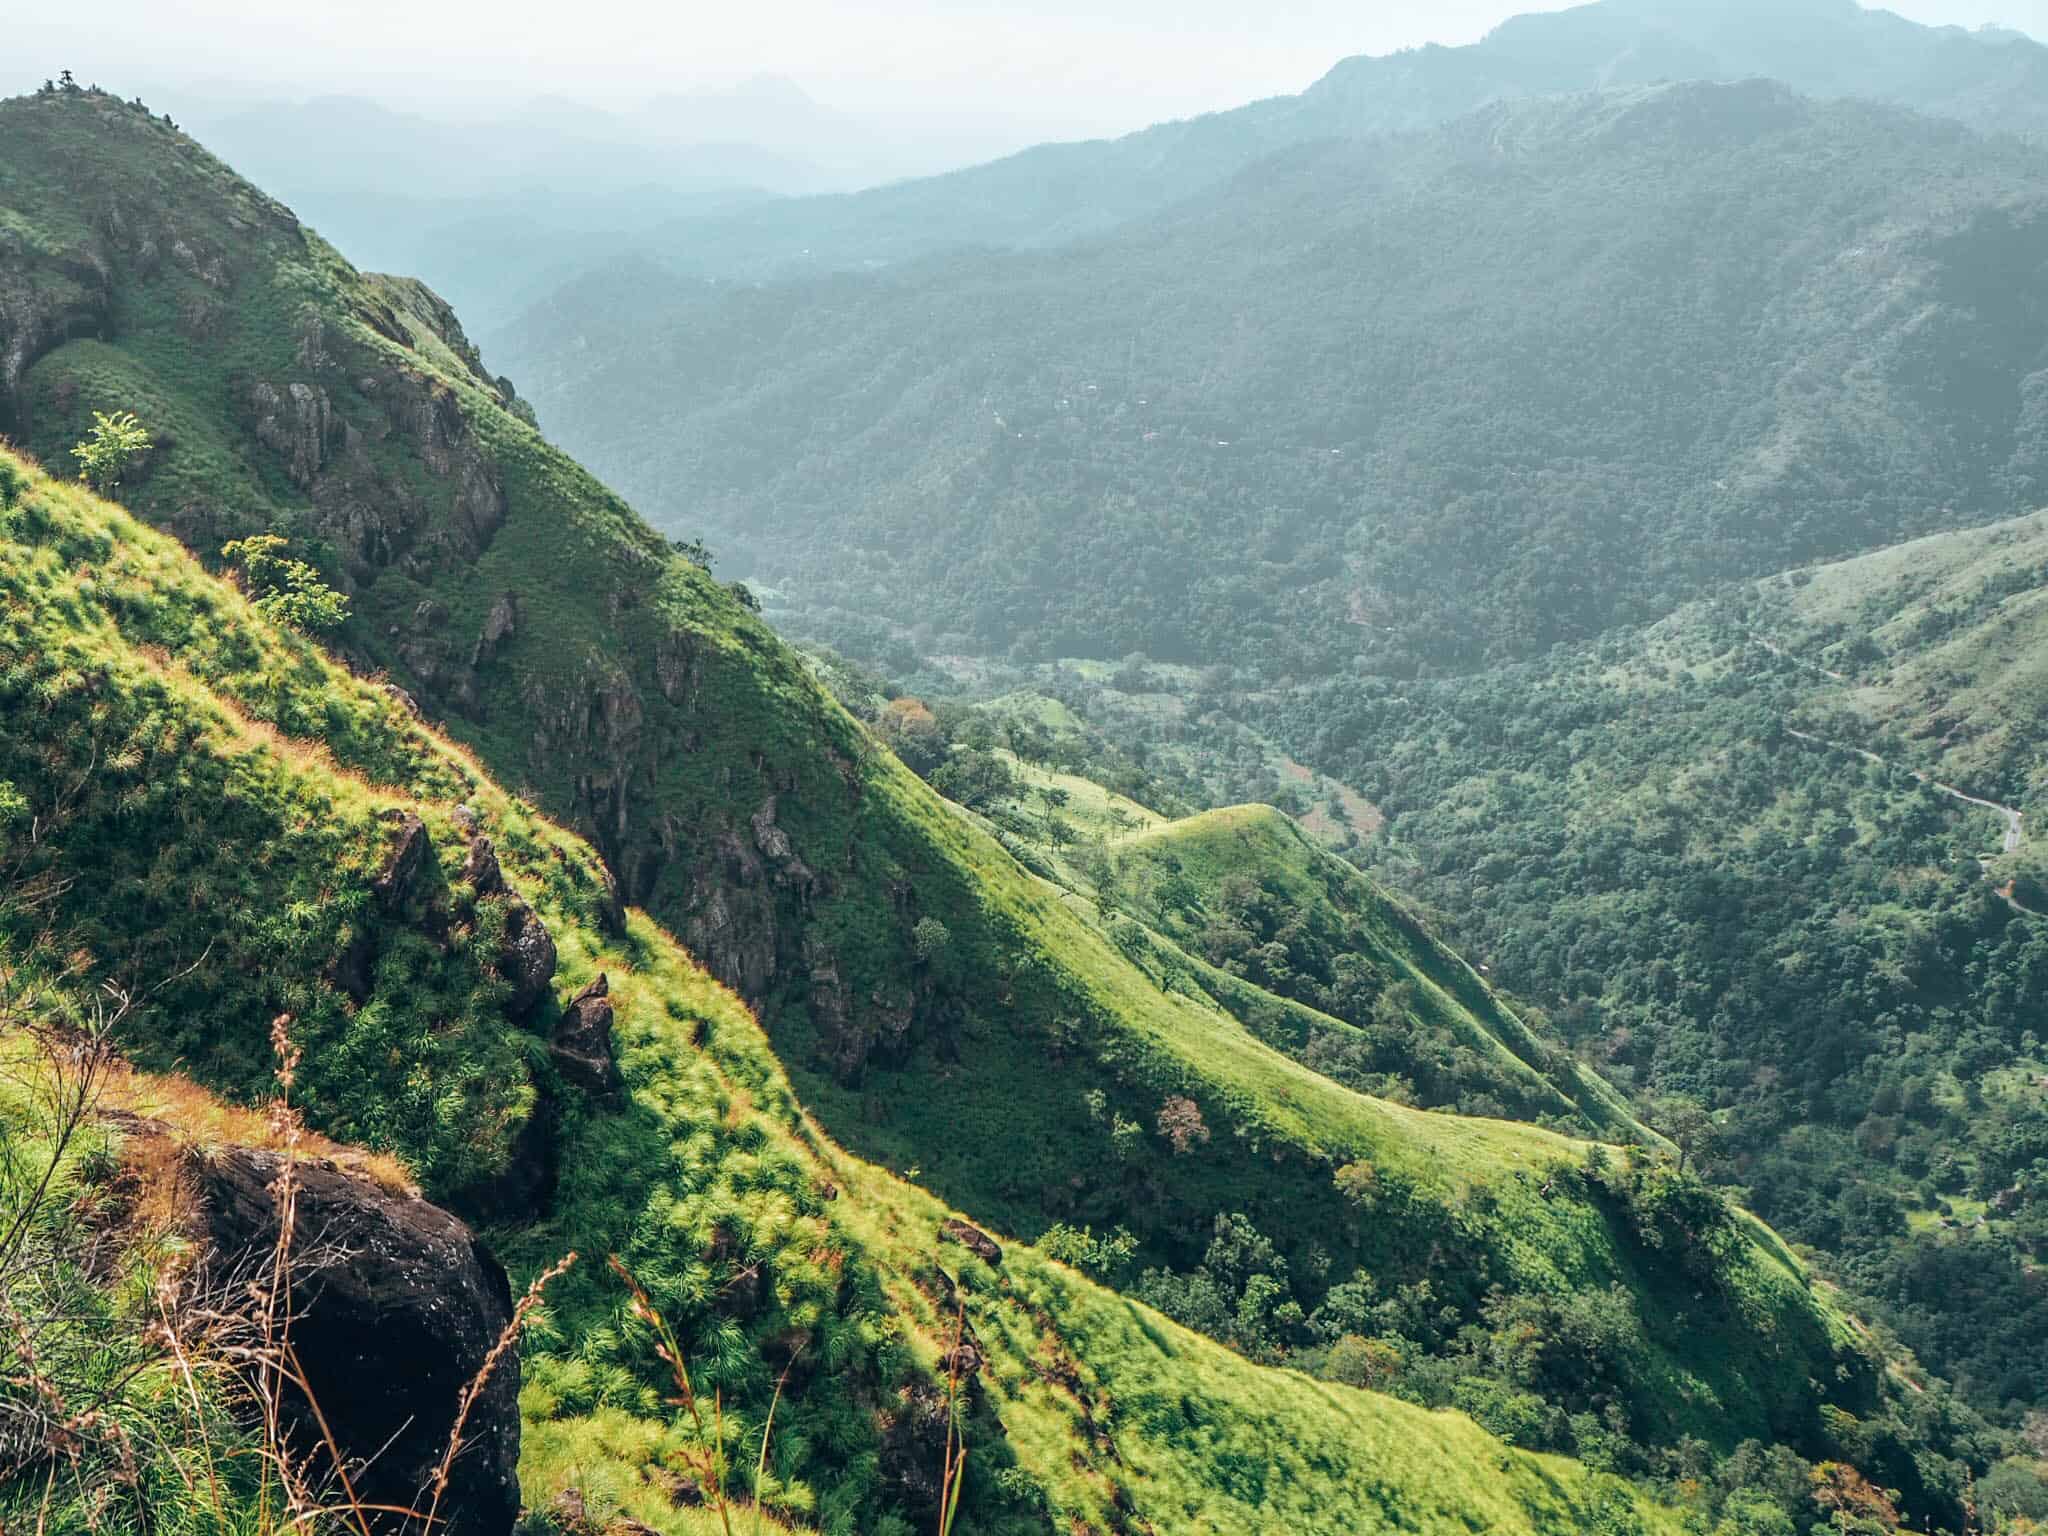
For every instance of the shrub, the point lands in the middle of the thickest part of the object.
(108, 450)
(930, 940)
(286, 591)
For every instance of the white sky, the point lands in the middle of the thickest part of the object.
(1093, 64)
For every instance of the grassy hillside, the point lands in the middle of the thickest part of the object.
(1244, 907)
(1938, 649)
(1181, 877)
(226, 792)
(1669, 336)
(939, 1009)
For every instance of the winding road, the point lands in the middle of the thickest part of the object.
(2015, 820)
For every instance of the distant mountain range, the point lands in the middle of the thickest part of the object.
(1422, 403)
(1993, 80)
(489, 207)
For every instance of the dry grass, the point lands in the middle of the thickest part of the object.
(193, 1119)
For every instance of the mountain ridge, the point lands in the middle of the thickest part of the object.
(1374, 378)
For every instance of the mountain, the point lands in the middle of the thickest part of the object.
(1995, 81)
(496, 209)
(262, 831)
(1405, 405)
(495, 213)
(929, 1002)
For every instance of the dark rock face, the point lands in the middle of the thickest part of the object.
(397, 1306)
(35, 316)
(480, 867)
(354, 969)
(394, 885)
(500, 625)
(527, 960)
(526, 951)
(973, 1239)
(582, 1043)
(298, 424)
(914, 1451)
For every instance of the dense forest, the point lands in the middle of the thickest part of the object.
(1667, 845)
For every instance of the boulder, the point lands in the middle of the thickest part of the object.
(526, 958)
(396, 1307)
(582, 1042)
(973, 1239)
(394, 885)
(480, 868)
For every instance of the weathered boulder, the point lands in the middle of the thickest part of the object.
(973, 1239)
(526, 958)
(396, 1307)
(480, 868)
(408, 853)
(582, 1041)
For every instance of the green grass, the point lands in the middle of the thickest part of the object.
(1940, 647)
(240, 756)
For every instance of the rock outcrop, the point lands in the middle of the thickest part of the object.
(526, 958)
(393, 885)
(973, 1239)
(582, 1042)
(396, 1307)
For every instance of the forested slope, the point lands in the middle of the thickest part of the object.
(1412, 405)
(1736, 858)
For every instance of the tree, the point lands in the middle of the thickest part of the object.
(1180, 1122)
(913, 733)
(693, 550)
(1852, 1501)
(1691, 1125)
(1360, 1184)
(1367, 1363)
(285, 591)
(930, 940)
(109, 449)
(1106, 1258)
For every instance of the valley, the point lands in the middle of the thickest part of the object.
(1281, 825)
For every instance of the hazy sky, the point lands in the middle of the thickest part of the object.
(1090, 63)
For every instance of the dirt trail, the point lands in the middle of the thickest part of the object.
(2015, 821)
